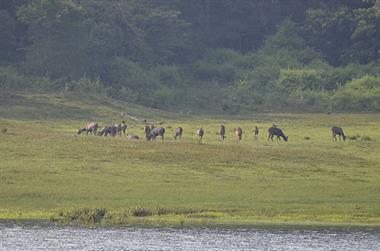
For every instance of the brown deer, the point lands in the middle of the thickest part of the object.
(108, 130)
(222, 132)
(90, 127)
(274, 131)
(238, 133)
(157, 131)
(199, 135)
(256, 132)
(178, 133)
(121, 128)
(337, 131)
(147, 131)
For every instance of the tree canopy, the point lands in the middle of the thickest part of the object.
(227, 55)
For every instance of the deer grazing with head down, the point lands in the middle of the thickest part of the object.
(338, 131)
(275, 131)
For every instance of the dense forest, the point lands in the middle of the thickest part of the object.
(223, 55)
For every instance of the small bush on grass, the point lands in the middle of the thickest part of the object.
(85, 215)
(354, 137)
(366, 138)
(141, 212)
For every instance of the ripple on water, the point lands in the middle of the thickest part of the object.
(35, 237)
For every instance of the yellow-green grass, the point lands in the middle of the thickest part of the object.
(47, 172)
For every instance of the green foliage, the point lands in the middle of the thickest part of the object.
(141, 212)
(85, 216)
(58, 33)
(203, 55)
(135, 81)
(361, 94)
(8, 41)
(86, 85)
(217, 66)
(170, 75)
(291, 81)
(10, 79)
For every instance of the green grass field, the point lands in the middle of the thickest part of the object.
(48, 172)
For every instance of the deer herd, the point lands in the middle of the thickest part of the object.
(152, 132)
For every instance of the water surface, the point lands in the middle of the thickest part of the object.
(46, 237)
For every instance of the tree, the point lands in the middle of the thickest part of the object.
(58, 35)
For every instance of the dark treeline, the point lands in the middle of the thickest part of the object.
(227, 55)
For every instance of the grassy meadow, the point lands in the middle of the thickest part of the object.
(47, 172)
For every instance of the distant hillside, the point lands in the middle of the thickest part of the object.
(57, 107)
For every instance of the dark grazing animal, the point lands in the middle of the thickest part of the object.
(238, 132)
(274, 131)
(121, 128)
(147, 131)
(256, 131)
(108, 130)
(5, 131)
(158, 131)
(199, 133)
(178, 133)
(337, 131)
(222, 132)
(90, 127)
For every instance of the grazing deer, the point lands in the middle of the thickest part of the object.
(90, 127)
(238, 132)
(5, 131)
(108, 130)
(278, 132)
(122, 128)
(222, 132)
(199, 135)
(158, 131)
(178, 133)
(338, 131)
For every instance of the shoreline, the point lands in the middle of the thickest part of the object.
(161, 222)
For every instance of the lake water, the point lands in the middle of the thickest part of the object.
(45, 237)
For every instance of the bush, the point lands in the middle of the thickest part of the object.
(141, 212)
(10, 79)
(138, 81)
(361, 94)
(86, 85)
(85, 216)
(219, 65)
(169, 75)
(300, 80)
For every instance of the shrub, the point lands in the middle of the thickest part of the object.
(85, 215)
(10, 79)
(141, 212)
(300, 80)
(361, 94)
(366, 138)
(86, 85)
(169, 75)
